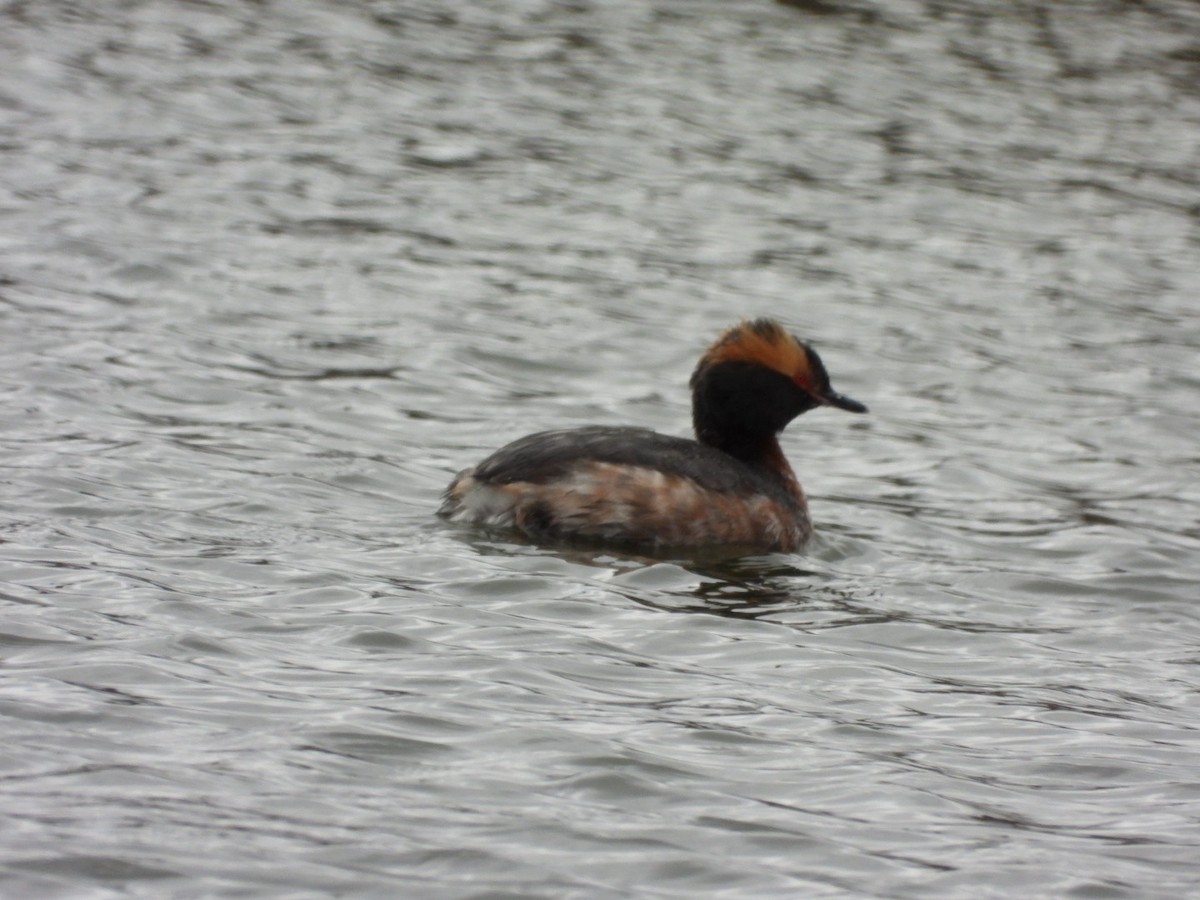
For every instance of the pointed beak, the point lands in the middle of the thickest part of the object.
(833, 398)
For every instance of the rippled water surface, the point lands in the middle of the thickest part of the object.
(273, 272)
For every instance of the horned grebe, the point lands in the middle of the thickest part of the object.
(634, 487)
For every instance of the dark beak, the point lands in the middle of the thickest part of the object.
(833, 398)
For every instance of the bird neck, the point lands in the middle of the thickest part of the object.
(760, 451)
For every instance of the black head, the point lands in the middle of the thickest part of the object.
(752, 382)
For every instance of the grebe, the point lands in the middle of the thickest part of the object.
(636, 488)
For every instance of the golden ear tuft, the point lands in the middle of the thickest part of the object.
(763, 342)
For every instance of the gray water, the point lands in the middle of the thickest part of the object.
(273, 272)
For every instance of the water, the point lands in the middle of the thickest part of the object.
(272, 273)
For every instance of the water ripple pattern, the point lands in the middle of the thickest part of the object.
(271, 273)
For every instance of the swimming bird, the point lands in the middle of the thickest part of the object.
(636, 488)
